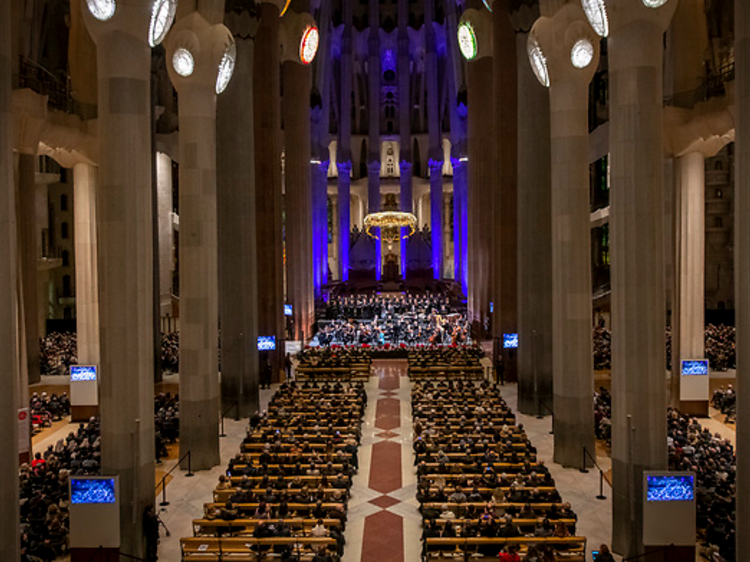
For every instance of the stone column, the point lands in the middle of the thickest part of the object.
(638, 286)
(557, 37)
(458, 152)
(344, 218)
(691, 263)
(459, 220)
(482, 153)
(406, 195)
(87, 282)
(298, 182)
(344, 151)
(9, 514)
(166, 231)
(373, 148)
(741, 264)
(534, 240)
(436, 215)
(435, 151)
(505, 192)
(319, 174)
(268, 205)
(209, 46)
(373, 206)
(321, 132)
(237, 227)
(28, 256)
(125, 261)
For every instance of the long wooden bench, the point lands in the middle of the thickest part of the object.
(211, 527)
(221, 496)
(571, 549)
(247, 549)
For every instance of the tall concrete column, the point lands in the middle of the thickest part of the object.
(373, 206)
(741, 263)
(319, 172)
(268, 202)
(10, 541)
(482, 169)
(125, 261)
(344, 150)
(344, 218)
(87, 280)
(534, 240)
(691, 245)
(638, 286)
(373, 110)
(556, 37)
(459, 221)
(436, 216)
(435, 151)
(209, 46)
(458, 151)
(505, 192)
(28, 261)
(298, 181)
(166, 231)
(405, 156)
(237, 226)
(321, 139)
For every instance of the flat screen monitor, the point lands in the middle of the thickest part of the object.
(92, 490)
(510, 341)
(695, 367)
(266, 343)
(80, 373)
(670, 488)
(288, 310)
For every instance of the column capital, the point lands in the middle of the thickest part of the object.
(373, 167)
(198, 52)
(405, 166)
(144, 20)
(563, 47)
(299, 38)
(435, 165)
(459, 162)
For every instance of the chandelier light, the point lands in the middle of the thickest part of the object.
(390, 224)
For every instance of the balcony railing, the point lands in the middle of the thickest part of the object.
(37, 78)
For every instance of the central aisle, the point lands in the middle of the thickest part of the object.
(384, 521)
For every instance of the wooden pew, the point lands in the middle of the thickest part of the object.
(210, 527)
(240, 549)
(568, 548)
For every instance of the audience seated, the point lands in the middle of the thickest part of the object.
(478, 476)
(293, 473)
(692, 447)
(44, 481)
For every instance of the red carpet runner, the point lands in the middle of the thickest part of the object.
(383, 539)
